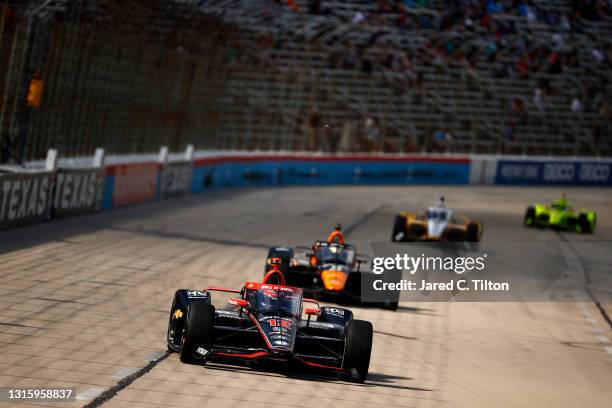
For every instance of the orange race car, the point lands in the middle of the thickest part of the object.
(329, 270)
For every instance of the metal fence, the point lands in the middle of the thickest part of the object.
(132, 75)
(129, 75)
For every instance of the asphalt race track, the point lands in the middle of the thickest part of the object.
(85, 304)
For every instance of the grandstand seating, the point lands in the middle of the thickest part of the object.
(244, 74)
(471, 100)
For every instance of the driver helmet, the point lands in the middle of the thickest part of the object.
(336, 235)
(275, 263)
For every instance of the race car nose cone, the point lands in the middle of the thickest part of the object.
(334, 280)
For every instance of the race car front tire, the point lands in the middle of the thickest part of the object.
(357, 349)
(172, 344)
(198, 330)
(399, 229)
(530, 217)
(585, 225)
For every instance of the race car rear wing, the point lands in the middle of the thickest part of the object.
(217, 289)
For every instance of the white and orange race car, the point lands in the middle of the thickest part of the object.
(437, 223)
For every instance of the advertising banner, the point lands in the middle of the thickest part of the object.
(25, 198)
(293, 170)
(134, 183)
(78, 191)
(553, 172)
(175, 179)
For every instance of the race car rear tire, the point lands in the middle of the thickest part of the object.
(473, 232)
(389, 306)
(357, 349)
(399, 229)
(198, 330)
(530, 217)
(584, 224)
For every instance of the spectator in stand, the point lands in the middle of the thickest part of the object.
(450, 141)
(518, 114)
(404, 21)
(332, 137)
(564, 23)
(410, 144)
(425, 22)
(509, 131)
(408, 69)
(529, 12)
(293, 5)
(485, 21)
(468, 23)
(313, 123)
(523, 8)
(394, 61)
(571, 58)
(383, 6)
(442, 141)
(576, 106)
(559, 42)
(359, 17)
(537, 99)
(494, 6)
(351, 59)
(554, 61)
(491, 51)
(317, 7)
(370, 139)
(598, 55)
(506, 71)
(522, 66)
(586, 9)
(551, 18)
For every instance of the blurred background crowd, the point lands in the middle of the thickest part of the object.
(459, 76)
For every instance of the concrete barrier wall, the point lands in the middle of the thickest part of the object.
(543, 171)
(553, 172)
(25, 198)
(237, 171)
(28, 197)
(131, 183)
(77, 191)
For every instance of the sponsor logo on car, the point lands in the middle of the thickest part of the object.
(334, 311)
(197, 294)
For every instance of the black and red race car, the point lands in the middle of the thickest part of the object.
(266, 325)
(330, 270)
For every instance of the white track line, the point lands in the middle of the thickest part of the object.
(124, 372)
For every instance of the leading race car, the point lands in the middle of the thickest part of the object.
(330, 270)
(266, 325)
(438, 223)
(560, 215)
